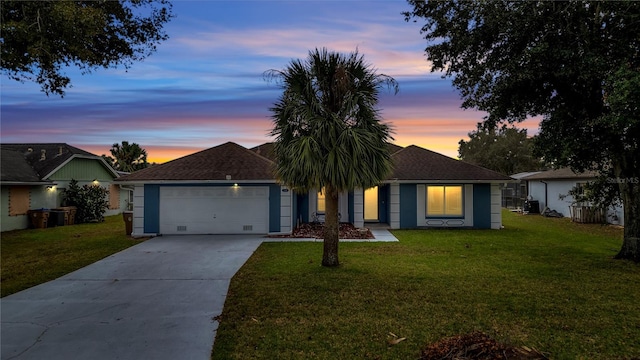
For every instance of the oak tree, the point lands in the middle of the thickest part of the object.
(42, 38)
(574, 63)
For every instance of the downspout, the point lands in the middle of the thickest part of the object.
(545, 194)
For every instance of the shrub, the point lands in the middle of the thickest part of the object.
(91, 201)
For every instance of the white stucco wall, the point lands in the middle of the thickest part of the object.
(555, 188)
(138, 211)
(286, 210)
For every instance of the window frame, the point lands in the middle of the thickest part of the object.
(444, 214)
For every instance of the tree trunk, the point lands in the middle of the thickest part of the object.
(331, 228)
(630, 192)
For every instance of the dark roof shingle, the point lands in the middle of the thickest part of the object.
(14, 168)
(211, 164)
(46, 157)
(416, 163)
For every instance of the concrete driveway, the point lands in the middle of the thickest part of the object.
(155, 300)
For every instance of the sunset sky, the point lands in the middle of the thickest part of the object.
(205, 85)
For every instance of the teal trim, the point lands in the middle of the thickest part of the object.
(303, 207)
(482, 206)
(350, 202)
(151, 209)
(383, 201)
(408, 206)
(274, 208)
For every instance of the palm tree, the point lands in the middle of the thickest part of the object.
(128, 157)
(329, 133)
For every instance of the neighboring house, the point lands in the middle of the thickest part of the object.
(35, 176)
(551, 189)
(229, 189)
(515, 193)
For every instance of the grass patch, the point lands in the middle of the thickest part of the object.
(34, 256)
(543, 283)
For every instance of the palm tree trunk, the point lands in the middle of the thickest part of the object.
(331, 228)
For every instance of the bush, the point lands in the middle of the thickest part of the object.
(91, 201)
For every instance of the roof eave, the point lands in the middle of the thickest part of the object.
(168, 182)
(23, 183)
(422, 181)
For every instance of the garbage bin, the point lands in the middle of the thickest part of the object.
(127, 216)
(72, 214)
(38, 218)
(65, 215)
(57, 217)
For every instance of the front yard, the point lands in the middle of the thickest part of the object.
(31, 257)
(548, 284)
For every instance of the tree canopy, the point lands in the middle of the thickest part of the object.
(41, 38)
(569, 62)
(506, 150)
(328, 130)
(127, 157)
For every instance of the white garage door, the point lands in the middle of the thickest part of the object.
(214, 210)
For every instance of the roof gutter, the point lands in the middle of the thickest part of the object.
(422, 181)
(23, 183)
(184, 182)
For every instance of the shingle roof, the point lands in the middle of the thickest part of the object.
(41, 158)
(16, 169)
(410, 163)
(210, 164)
(46, 157)
(266, 150)
(563, 173)
(416, 163)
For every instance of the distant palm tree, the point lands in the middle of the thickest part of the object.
(128, 157)
(328, 131)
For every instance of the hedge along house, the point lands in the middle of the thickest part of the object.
(229, 189)
(35, 176)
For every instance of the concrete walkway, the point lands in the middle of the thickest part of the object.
(155, 300)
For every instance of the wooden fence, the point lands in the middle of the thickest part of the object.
(588, 214)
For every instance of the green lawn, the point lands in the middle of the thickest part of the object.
(544, 283)
(31, 257)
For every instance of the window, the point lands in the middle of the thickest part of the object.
(444, 200)
(320, 205)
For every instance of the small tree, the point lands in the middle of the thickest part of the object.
(128, 157)
(91, 201)
(506, 150)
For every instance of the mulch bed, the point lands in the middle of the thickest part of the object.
(315, 230)
(477, 346)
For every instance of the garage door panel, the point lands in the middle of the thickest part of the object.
(214, 210)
